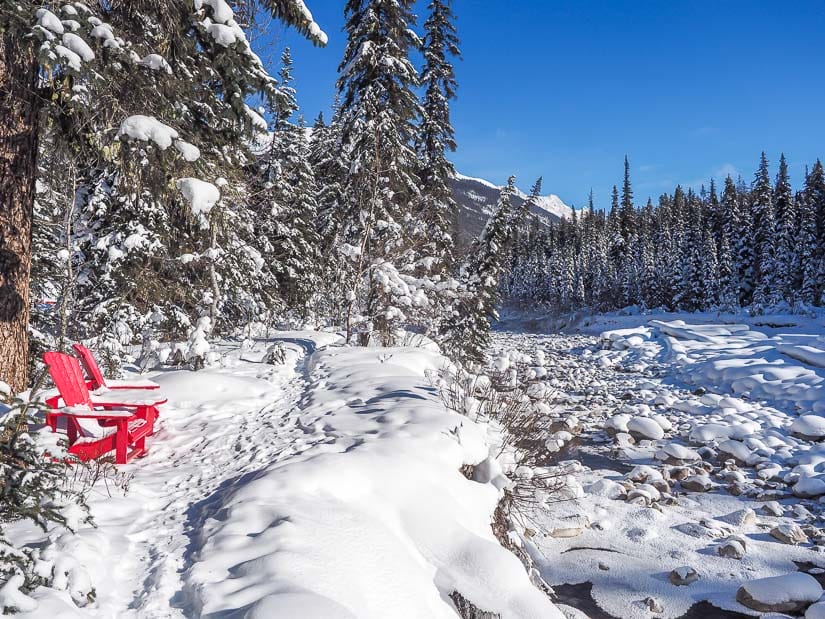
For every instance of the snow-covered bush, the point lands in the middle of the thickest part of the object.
(34, 485)
(511, 403)
(198, 346)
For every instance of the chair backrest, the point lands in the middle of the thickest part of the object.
(68, 378)
(87, 359)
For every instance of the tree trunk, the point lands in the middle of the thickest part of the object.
(18, 158)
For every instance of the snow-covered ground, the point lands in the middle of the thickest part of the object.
(329, 486)
(698, 442)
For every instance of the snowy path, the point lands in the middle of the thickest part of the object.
(328, 487)
(652, 404)
(224, 424)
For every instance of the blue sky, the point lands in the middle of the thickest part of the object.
(688, 90)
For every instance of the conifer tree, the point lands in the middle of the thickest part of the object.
(785, 230)
(436, 136)
(626, 211)
(814, 233)
(379, 110)
(762, 213)
(467, 332)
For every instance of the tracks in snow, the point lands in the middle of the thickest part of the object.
(200, 453)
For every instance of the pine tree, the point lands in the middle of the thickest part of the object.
(436, 136)
(626, 211)
(379, 109)
(813, 235)
(785, 231)
(762, 214)
(467, 332)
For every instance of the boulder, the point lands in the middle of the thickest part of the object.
(809, 487)
(790, 593)
(789, 534)
(740, 518)
(645, 428)
(697, 483)
(673, 453)
(606, 488)
(809, 427)
(654, 605)
(683, 576)
(731, 549)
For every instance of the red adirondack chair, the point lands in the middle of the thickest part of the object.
(96, 379)
(95, 428)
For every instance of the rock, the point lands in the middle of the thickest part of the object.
(673, 453)
(697, 483)
(603, 566)
(790, 593)
(731, 549)
(645, 428)
(607, 488)
(653, 605)
(661, 420)
(738, 451)
(740, 518)
(816, 611)
(809, 487)
(565, 532)
(809, 427)
(617, 424)
(701, 530)
(789, 534)
(643, 473)
(648, 492)
(683, 576)
(678, 473)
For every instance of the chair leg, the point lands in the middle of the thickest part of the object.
(140, 448)
(122, 441)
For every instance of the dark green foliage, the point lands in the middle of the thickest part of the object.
(754, 247)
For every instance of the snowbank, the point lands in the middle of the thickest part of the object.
(372, 517)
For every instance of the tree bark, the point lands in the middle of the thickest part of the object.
(18, 164)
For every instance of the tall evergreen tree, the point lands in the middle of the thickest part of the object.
(762, 213)
(379, 110)
(468, 330)
(814, 230)
(436, 136)
(786, 230)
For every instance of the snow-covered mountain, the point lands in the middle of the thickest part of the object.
(477, 199)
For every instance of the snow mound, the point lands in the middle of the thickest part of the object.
(373, 519)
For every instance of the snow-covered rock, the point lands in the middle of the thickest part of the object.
(645, 428)
(606, 488)
(789, 534)
(780, 594)
(810, 427)
(697, 483)
(683, 576)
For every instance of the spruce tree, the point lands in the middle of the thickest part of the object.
(762, 214)
(379, 109)
(785, 231)
(436, 136)
(467, 332)
(814, 233)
